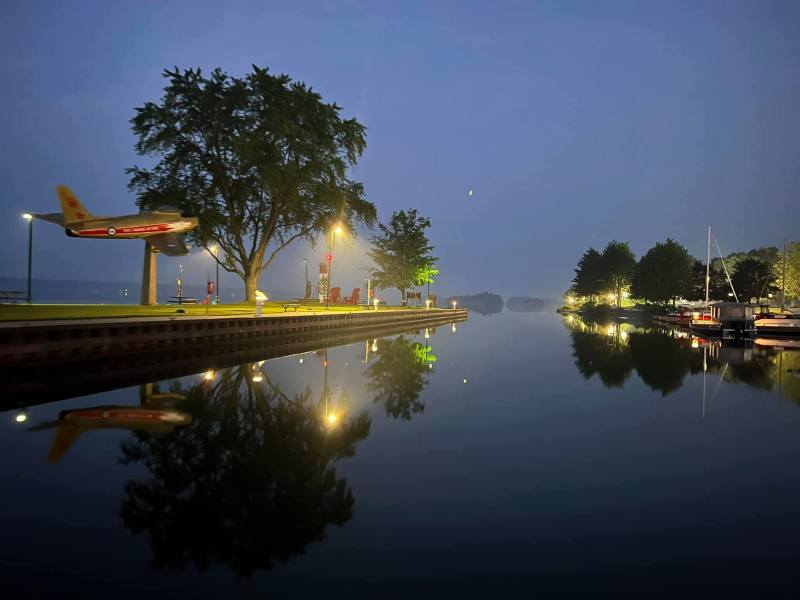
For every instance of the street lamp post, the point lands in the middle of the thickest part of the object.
(215, 253)
(29, 218)
(334, 231)
(307, 291)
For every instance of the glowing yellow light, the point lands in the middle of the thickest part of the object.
(427, 333)
(427, 304)
(453, 327)
(332, 419)
(695, 343)
(626, 294)
(258, 378)
(610, 330)
(611, 297)
(300, 360)
(21, 417)
(27, 216)
(623, 335)
(374, 345)
(214, 249)
(208, 375)
(337, 230)
(455, 303)
(465, 380)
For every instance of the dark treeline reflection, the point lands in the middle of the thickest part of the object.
(664, 357)
(248, 482)
(399, 374)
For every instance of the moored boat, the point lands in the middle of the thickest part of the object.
(727, 319)
(778, 325)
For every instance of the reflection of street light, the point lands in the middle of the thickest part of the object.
(453, 328)
(375, 302)
(21, 417)
(427, 333)
(29, 218)
(258, 377)
(209, 375)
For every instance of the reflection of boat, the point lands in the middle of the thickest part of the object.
(71, 424)
(777, 342)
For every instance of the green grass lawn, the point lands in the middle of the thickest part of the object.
(30, 312)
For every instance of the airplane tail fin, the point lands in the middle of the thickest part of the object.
(70, 205)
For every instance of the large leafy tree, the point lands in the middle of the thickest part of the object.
(588, 274)
(261, 159)
(402, 253)
(664, 273)
(753, 278)
(617, 268)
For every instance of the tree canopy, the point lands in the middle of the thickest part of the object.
(752, 278)
(618, 265)
(261, 159)
(664, 273)
(588, 279)
(402, 253)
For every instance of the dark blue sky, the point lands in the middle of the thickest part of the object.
(574, 122)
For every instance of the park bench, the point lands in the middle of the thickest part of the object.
(181, 300)
(288, 305)
(12, 296)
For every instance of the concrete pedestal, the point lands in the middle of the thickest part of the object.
(149, 273)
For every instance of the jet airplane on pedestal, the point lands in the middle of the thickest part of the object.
(161, 229)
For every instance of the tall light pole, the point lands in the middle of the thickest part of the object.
(29, 218)
(214, 249)
(307, 291)
(337, 229)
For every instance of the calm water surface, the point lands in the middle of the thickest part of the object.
(512, 454)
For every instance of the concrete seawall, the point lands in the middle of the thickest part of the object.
(43, 342)
(33, 382)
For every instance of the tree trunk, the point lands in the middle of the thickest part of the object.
(404, 300)
(250, 285)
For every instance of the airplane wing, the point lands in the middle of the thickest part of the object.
(168, 243)
(57, 218)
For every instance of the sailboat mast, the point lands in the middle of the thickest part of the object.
(708, 263)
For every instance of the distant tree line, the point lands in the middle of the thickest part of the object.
(667, 273)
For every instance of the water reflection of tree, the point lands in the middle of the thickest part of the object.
(249, 482)
(661, 361)
(607, 356)
(663, 358)
(398, 376)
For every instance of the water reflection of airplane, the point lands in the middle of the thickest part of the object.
(150, 416)
(160, 228)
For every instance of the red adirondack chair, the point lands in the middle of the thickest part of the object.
(335, 293)
(354, 298)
